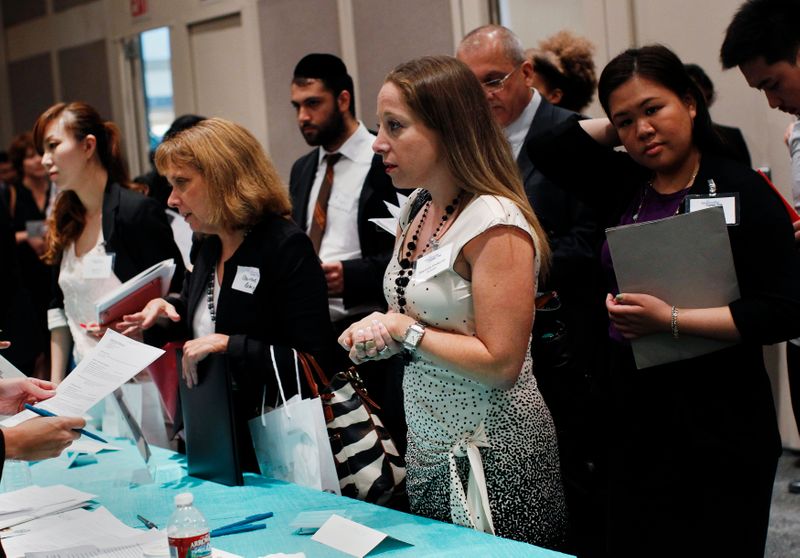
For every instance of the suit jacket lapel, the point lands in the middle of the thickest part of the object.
(206, 259)
(110, 206)
(540, 119)
(306, 182)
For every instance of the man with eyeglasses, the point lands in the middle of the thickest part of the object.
(567, 340)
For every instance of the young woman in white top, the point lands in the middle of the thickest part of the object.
(482, 450)
(100, 234)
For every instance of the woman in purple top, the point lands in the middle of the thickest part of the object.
(693, 444)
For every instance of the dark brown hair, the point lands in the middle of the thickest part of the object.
(69, 215)
(17, 151)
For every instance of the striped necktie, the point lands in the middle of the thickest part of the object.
(320, 217)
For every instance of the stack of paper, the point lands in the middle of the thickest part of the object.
(27, 504)
(134, 293)
(80, 533)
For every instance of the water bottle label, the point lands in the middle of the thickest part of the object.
(198, 546)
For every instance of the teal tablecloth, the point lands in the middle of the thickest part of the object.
(114, 479)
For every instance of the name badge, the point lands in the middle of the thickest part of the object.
(728, 202)
(246, 279)
(432, 264)
(98, 267)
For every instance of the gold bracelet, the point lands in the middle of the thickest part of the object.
(674, 323)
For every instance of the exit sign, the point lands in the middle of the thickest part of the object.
(138, 7)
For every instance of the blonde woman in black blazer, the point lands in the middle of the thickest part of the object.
(256, 281)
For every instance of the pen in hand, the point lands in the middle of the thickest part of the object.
(44, 413)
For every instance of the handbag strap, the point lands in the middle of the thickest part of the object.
(313, 385)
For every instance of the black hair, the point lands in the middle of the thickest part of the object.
(659, 64)
(762, 28)
(4, 157)
(182, 123)
(330, 70)
(702, 80)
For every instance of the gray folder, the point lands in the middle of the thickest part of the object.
(684, 260)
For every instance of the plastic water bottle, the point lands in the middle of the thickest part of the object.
(187, 530)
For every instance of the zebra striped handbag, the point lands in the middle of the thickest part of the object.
(368, 464)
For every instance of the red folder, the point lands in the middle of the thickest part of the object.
(132, 303)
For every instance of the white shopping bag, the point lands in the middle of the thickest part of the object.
(291, 442)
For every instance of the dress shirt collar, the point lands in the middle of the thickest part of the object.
(517, 131)
(357, 147)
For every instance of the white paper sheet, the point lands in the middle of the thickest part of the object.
(34, 502)
(115, 360)
(352, 538)
(8, 370)
(82, 533)
(389, 224)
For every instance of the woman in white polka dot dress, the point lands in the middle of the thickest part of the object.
(482, 450)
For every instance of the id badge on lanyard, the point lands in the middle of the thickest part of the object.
(728, 202)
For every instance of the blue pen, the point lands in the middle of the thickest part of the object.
(222, 531)
(43, 413)
(246, 520)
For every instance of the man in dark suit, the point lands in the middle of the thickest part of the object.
(333, 200)
(567, 340)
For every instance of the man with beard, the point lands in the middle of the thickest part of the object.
(336, 189)
(567, 335)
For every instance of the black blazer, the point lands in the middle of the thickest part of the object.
(363, 277)
(571, 226)
(288, 308)
(575, 236)
(136, 230)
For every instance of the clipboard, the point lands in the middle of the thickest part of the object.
(209, 423)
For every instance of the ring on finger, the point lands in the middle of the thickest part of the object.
(386, 350)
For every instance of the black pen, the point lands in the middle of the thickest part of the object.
(147, 523)
(43, 413)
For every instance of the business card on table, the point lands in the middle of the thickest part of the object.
(353, 538)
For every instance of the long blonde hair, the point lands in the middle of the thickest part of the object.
(242, 182)
(447, 97)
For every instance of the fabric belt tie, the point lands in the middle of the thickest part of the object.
(471, 509)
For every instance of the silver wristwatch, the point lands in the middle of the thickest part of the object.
(413, 336)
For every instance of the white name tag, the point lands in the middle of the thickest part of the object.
(726, 201)
(98, 267)
(246, 279)
(433, 263)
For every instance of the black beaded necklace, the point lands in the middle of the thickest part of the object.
(406, 265)
(210, 287)
(210, 297)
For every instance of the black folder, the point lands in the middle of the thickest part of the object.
(209, 422)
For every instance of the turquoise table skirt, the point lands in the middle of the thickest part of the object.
(121, 481)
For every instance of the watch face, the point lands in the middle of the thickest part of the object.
(413, 336)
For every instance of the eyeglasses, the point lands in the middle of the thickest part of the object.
(497, 84)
